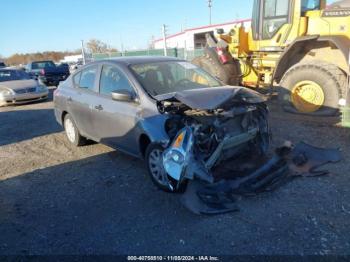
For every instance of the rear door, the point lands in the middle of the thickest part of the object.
(114, 121)
(82, 98)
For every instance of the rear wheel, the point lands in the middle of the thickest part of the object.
(314, 89)
(72, 131)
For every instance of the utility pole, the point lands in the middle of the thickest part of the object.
(210, 5)
(122, 45)
(164, 29)
(83, 52)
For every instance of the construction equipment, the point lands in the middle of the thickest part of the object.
(299, 46)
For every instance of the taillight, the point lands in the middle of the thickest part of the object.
(42, 71)
(223, 56)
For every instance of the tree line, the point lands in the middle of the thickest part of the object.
(22, 59)
(92, 46)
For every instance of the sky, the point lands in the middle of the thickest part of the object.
(48, 25)
(41, 25)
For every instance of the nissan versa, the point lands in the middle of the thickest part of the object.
(171, 113)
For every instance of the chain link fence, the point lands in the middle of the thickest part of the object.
(172, 52)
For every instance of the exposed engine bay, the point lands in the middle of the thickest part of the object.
(218, 146)
(204, 136)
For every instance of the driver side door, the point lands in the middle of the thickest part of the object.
(115, 122)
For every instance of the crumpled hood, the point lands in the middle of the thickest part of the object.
(213, 97)
(19, 84)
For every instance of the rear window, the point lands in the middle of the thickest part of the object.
(87, 78)
(13, 75)
(43, 65)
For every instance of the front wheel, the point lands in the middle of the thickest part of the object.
(312, 88)
(154, 162)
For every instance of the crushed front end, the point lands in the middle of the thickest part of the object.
(205, 137)
(219, 140)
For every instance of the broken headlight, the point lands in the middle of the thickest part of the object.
(176, 156)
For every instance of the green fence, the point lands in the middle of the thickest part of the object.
(172, 52)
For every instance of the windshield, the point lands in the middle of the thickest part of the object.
(167, 77)
(43, 65)
(13, 75)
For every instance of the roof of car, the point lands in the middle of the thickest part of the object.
(131, 60)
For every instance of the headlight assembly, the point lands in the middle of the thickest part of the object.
(5, 91)
(176, 157)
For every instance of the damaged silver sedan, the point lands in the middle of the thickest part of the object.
(177, 117)
(193, 133)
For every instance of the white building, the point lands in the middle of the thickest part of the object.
(194, 38)
(72, 59)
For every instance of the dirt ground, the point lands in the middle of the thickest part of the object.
(58, 199)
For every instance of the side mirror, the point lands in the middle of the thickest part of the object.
(122, 95)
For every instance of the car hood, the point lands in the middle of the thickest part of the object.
(19, 84)
(213, 97)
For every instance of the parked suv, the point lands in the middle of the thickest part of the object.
(177, 117)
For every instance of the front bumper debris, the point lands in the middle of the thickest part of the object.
(287, 163)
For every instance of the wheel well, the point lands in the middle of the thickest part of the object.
(64, 113)
(308, 51)
(144, 141)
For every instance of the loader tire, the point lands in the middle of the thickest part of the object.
(312, 89)
(228, 74)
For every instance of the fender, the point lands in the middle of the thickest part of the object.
(342, 43)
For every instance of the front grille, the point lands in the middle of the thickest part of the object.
(25, 90)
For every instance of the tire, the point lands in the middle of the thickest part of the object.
(229, 74)
(72, 131)
(162, 181)
(326, 76)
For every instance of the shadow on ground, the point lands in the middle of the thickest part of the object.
(106, 204)
(20, 125)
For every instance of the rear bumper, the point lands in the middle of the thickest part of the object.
(19, 99)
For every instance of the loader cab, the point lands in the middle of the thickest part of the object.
(275, 23)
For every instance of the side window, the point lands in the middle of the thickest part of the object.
(87, 78)
(112, 79)
(276, 14)
(308, 5)
(76, 79)
(256, 19)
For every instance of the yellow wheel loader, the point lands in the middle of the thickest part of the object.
(300, 47)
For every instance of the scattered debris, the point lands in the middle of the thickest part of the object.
(287, 163)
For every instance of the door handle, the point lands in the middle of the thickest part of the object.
(99, 108)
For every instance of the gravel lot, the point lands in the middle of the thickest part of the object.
(58, 199)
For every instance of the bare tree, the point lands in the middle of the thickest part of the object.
(97, 46)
